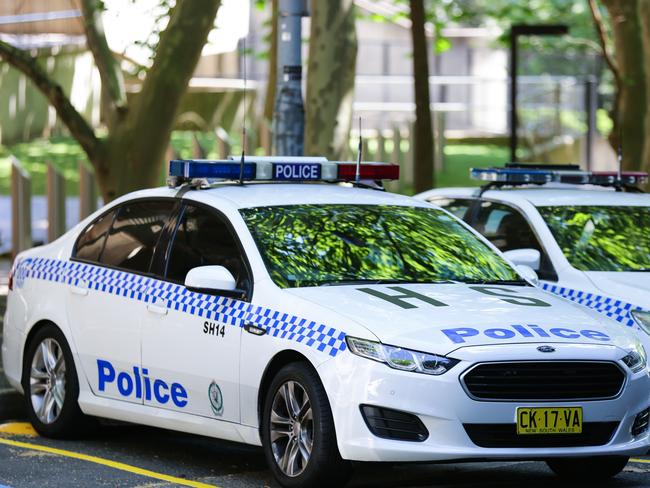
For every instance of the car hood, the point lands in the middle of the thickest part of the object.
(441, 318)
(631, 287)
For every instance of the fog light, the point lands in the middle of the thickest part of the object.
(641, 423)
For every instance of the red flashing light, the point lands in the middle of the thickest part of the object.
(368, 171)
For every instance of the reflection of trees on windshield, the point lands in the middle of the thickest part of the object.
(306, 245)
(598, 238)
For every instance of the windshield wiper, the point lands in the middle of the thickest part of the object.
(496, 282)
(379, 282)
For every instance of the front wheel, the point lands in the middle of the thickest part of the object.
(298, 434)
(591, 468)
(51, 386)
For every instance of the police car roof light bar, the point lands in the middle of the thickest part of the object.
(277, 169)
(539, 174)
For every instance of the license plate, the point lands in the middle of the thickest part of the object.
(549, 420)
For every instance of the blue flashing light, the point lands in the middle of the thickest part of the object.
(511, 175)
(222, 170)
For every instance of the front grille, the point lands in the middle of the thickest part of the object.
(544, 381)
(393, 424)
(505, 435)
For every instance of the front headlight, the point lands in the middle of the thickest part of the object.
(636, 360)
(399, 358)
(642, 318)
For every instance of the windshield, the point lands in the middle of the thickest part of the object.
(315, 245)
(599, 238)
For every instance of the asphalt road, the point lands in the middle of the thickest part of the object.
(122, 455)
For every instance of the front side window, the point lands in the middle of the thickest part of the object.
(134, 234)
(314, 245)
(203, 239)
(602, 238)
(505, 227)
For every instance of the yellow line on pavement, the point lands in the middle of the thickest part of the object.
(105, 462)
(644, 461)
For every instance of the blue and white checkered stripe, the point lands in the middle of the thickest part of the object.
(176, 297)
(611, 307)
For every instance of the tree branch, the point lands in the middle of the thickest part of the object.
(109, 69)
(153, 111)
(77, 125)
(602, 38)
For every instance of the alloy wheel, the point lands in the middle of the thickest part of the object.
(292, 428)
(47, 381)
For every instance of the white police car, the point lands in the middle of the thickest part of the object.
(586, 237)
(327, 324)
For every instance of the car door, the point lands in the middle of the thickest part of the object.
(192, 339)
(110, 275)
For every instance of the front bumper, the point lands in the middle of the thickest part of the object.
(443, 406)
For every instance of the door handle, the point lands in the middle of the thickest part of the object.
(157, 309)
(79, 290)
(254, 329)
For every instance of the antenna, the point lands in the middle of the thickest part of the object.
(243, 131)
(359, 155)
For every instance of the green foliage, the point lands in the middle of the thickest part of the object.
(503, 14)
(459, 158)
(311, 245)
(604, 122)
(63, 152)
(600, 238)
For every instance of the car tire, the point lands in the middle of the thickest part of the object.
(300, 445)
(51, 387)
(591, 468)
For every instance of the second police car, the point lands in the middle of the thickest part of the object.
(586, 234)
(327, 324)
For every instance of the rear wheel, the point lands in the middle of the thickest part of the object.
(298, 431)
(591, 468)
(51, 386)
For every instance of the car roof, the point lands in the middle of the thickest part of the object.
(548, 195)
(273, 194)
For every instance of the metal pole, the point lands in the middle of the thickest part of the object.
(513, 95)
(21, 208)
(591, 101)
(289, 112)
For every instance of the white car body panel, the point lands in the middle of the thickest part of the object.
(130, 321)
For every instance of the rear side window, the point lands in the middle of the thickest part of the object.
(91, 241)
(204, 239)
(134, 234)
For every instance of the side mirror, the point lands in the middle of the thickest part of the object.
(524, 257)
(213, 280)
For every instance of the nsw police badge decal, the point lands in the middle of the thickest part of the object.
(216, 399)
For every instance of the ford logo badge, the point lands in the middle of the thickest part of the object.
(546, 349)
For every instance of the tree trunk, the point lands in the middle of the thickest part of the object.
(644, 15)
(423, 154)
(272, 82)
(631, 99)
(330, 78)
